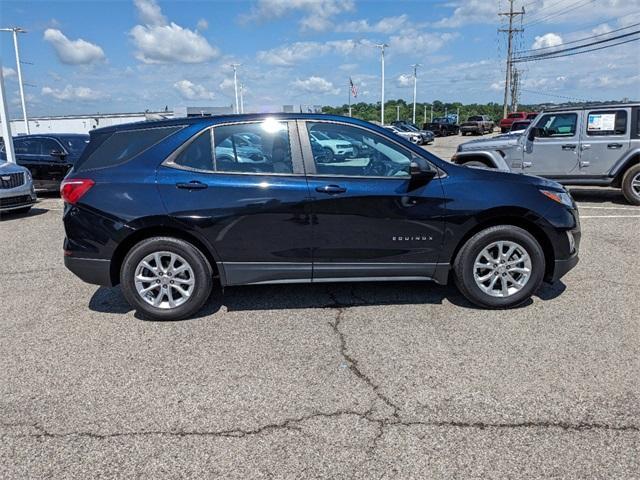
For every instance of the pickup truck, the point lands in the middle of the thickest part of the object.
(442, 126)
(477, 125)
(597, 145)
(505, 123)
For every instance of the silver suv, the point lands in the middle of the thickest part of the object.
(597, 145)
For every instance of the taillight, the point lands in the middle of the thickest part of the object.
(72, 189)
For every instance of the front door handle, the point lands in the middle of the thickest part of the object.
(331, 189)
(193, 185)
(526, 164)
(614, 146)
(568, 147)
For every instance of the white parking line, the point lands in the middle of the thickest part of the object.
(633, 209)
(608, 216)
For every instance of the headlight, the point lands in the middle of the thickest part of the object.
(561, 197)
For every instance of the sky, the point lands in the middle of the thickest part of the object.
(132, 55)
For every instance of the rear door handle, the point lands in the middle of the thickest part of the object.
(568, 147)
(193, 185)
(526, 164)
(614, 146)
(331, 189)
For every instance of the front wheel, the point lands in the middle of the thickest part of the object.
(500, 267)
(166, 278)
(631, 185)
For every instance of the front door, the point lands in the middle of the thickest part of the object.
(54, 162)
(369, 220)
(555, 151)
(241, 187)
(27, 151)
(605, 139)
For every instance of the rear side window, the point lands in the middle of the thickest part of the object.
(240, 148)
(122, 146)
(613, 122)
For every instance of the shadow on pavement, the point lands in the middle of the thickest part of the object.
(335, 295)
(33, 212)
(598, 195)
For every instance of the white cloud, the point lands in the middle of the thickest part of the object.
(192, 91)
(470, 11)
(160, 42)
(547, 40)
(202, 24)
(404, 80)
(315, 84)
(385, 25)
(291, 54)
(69, 93)
(317, 14)
(73, 52)
(419, 43)
(8, 72)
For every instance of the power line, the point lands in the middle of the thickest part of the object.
(551, 55)
(558, 13)
(553, 95)
(577, 41)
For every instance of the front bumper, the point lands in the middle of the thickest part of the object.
(562, 267)
(91, 270)
(17, 201)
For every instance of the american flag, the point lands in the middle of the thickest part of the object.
(354, 89)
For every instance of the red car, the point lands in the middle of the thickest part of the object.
(505, 123)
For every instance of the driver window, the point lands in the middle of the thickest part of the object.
(349, 151)
(557, 125)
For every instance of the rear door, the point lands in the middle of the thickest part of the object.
(605, 139)
(368, 219)
(555, 153)
(241, 187)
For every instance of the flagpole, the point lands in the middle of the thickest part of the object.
(349, 86)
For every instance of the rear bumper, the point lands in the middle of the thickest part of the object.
(90, 270)
(470, 128)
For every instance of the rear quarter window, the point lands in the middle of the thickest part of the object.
(109, 150)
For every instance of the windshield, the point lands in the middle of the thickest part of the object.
(475, 119)
(441, 120)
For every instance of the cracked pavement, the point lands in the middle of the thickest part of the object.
(397, 380)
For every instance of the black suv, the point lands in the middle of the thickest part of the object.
(165, 207)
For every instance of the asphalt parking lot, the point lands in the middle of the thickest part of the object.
(397, 380)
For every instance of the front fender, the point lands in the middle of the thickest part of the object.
(494, 159)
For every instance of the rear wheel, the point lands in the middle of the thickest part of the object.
(328, 155)
(166, 278)
(631, 185)
(500, 267)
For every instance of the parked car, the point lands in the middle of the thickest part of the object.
(413, 137)
(142, 210)
(48, 157)
(426, 136)
(442, 126)
(17, 194)
(334, 148)
(478, 125)
(505, 123)
(592, 145)
(519, 126)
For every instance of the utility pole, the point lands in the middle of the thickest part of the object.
(515, 89)
(397, 112)
(431, 113)
(16, 31)
(6, 124)
(510, 31)
(235, 84)
(415, 82)
(425, 114)
(382, 46)
(241, 97)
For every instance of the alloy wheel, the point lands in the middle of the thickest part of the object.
(635, 184)
(502, 269)
(164, 280)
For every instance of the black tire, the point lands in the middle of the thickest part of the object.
(464, 265)
(329, 156)
(630, 193)
(203, 276)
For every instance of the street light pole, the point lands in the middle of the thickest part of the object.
(235, 84)
(241, 97)
(382, 46)
(415, 82)
(6, 125)
(15, 31)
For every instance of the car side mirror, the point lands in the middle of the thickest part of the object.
(420, 168)
(535, 132)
